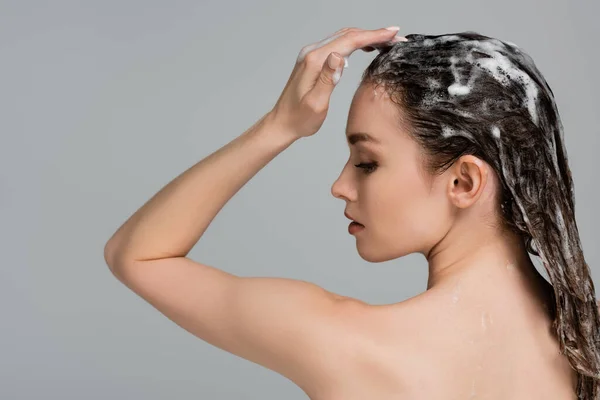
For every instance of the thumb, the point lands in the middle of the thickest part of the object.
(329, 77)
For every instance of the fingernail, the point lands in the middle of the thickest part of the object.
(398, 38)
(393, 28)
(332, 60)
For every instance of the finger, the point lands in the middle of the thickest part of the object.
(368, 49)
(377, 39)
(343, 30)
(381, 46)
(329, 76)
(346, 43)
(313, 46)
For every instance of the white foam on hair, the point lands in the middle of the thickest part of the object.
(564, 233)
(448, 132)
(457, 88)
(510, 182)
(449, 38)
(497, 65)
(496, 131)
(464, 113)
(433, 84)
(507, 73)
(501, 69)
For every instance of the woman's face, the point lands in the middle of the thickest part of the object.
(402, 210)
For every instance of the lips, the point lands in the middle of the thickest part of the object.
(350, 218)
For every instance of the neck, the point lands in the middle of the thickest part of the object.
(486, 265)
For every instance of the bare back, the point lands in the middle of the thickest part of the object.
(429, 348)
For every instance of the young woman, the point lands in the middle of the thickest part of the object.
(456, 152)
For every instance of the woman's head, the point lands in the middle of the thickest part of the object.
(404, 206)
(472, 136)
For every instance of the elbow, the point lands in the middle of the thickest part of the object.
(109, 254)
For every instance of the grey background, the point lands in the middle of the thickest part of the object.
(104, 102)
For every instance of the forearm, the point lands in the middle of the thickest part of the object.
(174, 219)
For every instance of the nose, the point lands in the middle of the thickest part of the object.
(340, 188)
(335, 189)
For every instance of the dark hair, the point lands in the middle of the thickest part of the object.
(466, 93)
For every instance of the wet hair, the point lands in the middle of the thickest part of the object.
(466, 93)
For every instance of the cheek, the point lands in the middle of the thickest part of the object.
(402, 216)
(407, 211)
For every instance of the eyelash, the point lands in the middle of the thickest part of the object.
(367, 167)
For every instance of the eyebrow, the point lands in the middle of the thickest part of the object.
(356, 137)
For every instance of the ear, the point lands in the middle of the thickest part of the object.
(467, 179)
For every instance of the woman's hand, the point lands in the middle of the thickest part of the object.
(304, 102)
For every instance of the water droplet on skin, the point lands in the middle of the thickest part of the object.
(511, 268)
(473, 394)
(485, 317)
(455, 293)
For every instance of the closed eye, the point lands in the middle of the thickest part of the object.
(367, 167)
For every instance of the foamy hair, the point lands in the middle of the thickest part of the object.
(460, 66)
(466, 93)
(468, 60)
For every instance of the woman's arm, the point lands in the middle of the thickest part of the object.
(291, 326)
(174, 219)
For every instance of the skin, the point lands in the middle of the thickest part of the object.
(333, 346)
(291, 326)
(483, 291)
(448, 218)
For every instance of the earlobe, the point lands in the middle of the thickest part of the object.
(457, 193)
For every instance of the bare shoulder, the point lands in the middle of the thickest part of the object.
(426, 347)
(375, 348)
(380, 351)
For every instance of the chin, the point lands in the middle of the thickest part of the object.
(375, 255)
